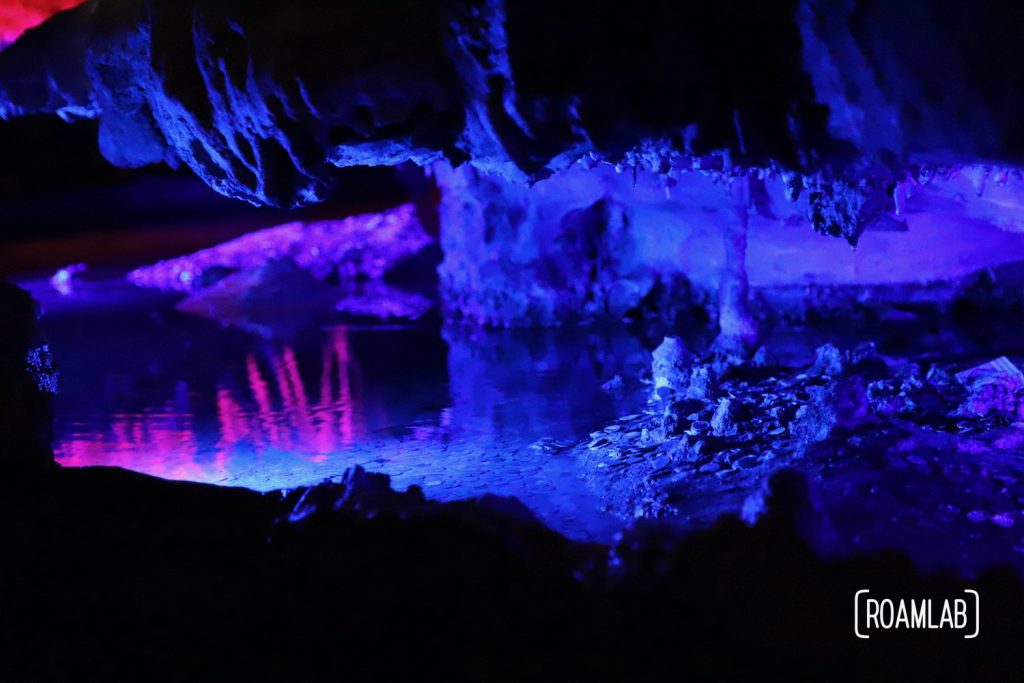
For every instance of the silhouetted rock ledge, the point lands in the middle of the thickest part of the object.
(112, 574)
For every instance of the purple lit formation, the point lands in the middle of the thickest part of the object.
(364, 247)
(63, 280)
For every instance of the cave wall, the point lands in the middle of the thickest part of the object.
(591, 243)
(845, 117)
(262, 99)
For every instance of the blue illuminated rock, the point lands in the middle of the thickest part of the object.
(827, 115)
(261, 100)
(670, 365)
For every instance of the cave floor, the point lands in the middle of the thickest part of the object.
(908, 429)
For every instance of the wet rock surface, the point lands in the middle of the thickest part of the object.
(917, 454)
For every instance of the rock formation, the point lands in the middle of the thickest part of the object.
(263, 101)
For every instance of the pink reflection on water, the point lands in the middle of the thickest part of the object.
(261, 393)
(234, 425)
(141, 442)
(346, 425)
(166, 442)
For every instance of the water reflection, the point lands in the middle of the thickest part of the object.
(454, 412)
(263, 417)
(270, 411)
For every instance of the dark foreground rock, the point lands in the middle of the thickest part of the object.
(28, 382)
(113, 575)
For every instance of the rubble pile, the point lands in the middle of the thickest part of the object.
(716, 427)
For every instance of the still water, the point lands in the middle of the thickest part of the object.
(457, 412)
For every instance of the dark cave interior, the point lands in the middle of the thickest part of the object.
(499, 338)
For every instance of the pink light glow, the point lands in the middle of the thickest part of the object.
(141, 443)
(347, 427)
(17, 16)
(169, 444)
